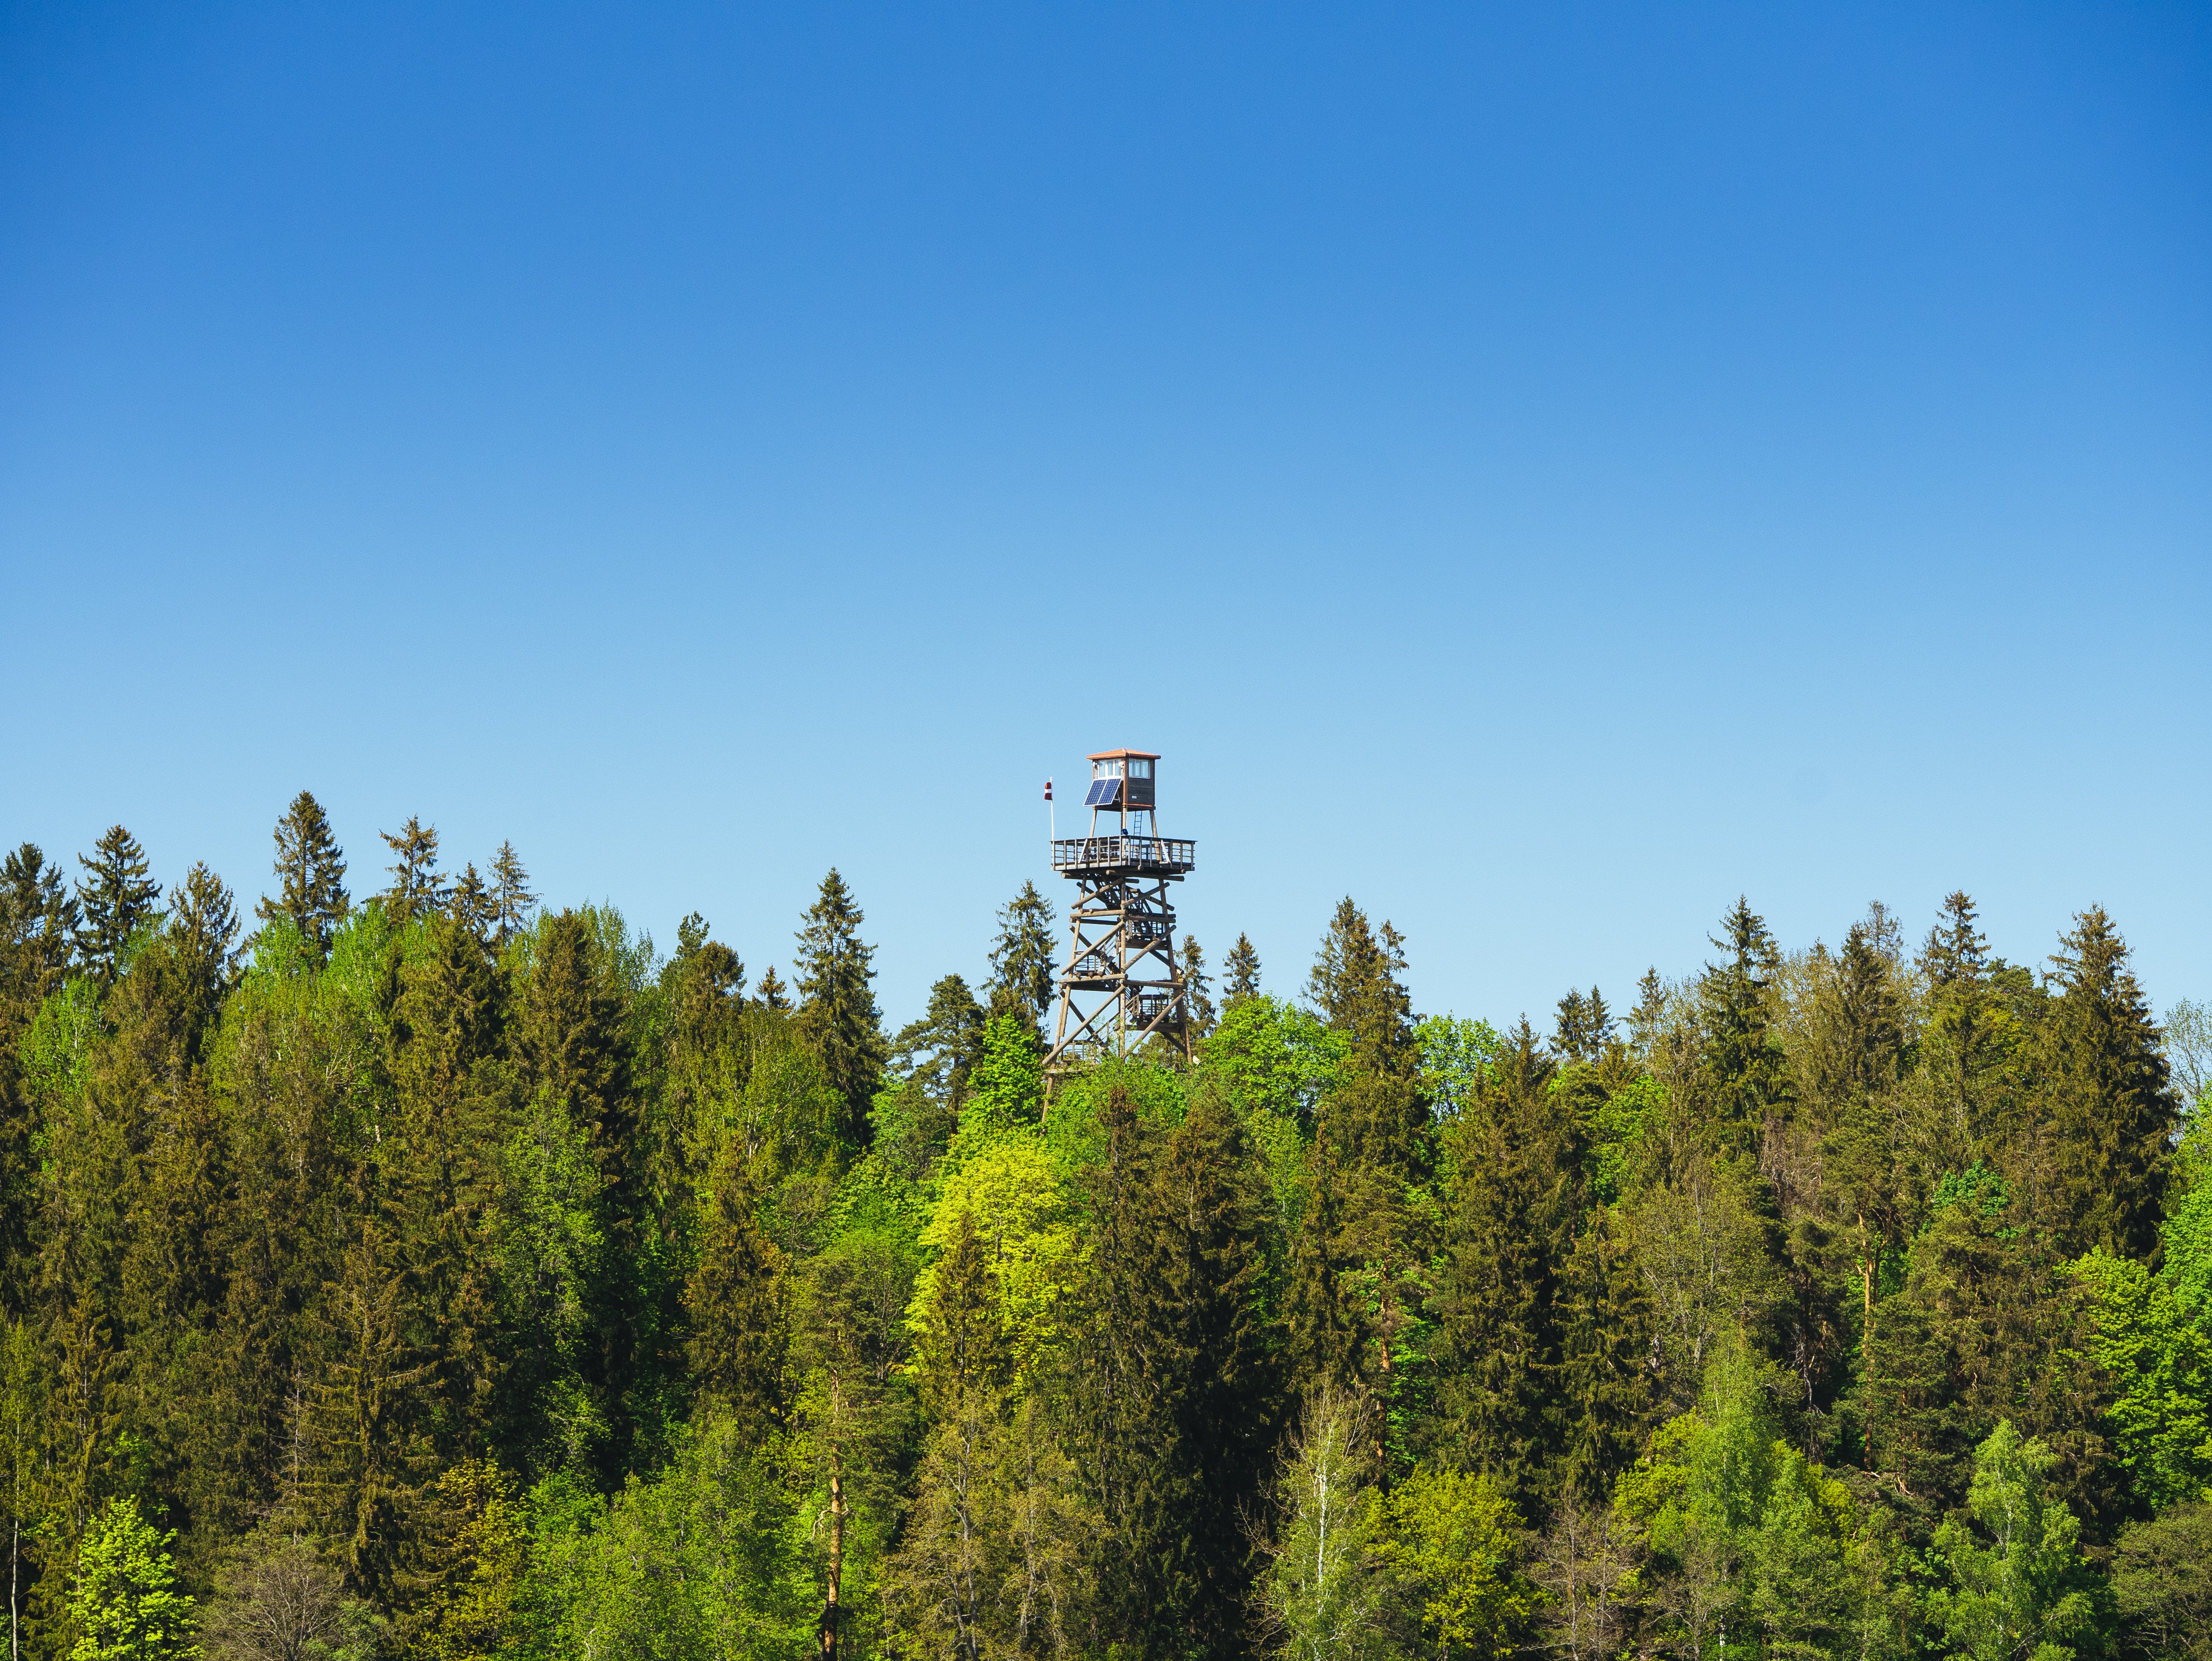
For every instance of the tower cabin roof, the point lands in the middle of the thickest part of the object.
(1124, 755)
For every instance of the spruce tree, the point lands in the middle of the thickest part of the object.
(1022, 956)
(1201, 1382)
(773, 993)
(1605, 1383)
(2112, 1103)
(740, 1342)
(1242, 969)
(39, 922)
(1358, 987)
(1507, 1243)
(1326, 1340)
(1195, 984)
(416, 889)
(473, 905)
(512, 900)
(310, 872)
(1584, 1029)
(117, 899)
(838, 1006)
(1746, 1071)
(961, 1353)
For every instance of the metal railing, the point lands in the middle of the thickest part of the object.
(1171, 853)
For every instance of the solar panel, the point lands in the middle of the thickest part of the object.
(1104, 793)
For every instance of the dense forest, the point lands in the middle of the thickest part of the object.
(428, 1273)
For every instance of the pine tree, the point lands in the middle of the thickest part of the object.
(2111, 1098)
(941, 1049)
(1584, 1029)
(1196, 985)
(117, 899)
(837, 1008)
(1243, 967)
(1022, 956)
(513, 901)
(310, 871)
(444, 1184)
(416, 889)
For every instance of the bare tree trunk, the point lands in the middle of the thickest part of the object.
(829, 1612)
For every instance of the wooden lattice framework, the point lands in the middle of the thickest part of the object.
(1122, 985)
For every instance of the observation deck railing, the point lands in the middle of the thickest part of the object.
(1145, 856)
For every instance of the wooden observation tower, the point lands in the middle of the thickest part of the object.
(1122, 985)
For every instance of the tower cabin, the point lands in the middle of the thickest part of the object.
(1124, 835)
(1122, 986)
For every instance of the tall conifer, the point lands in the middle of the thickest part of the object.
(310, 872)
(1022, 956)
(1242, 967)
(512, 902)
(837, 1008)
(2111, 1098)
(416, 888)
(117, 898)
(1195, 984)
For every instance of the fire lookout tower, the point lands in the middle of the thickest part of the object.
(1122, 985)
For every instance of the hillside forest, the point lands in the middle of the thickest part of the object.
(400, 1266)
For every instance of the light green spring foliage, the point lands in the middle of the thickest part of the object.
(1010, 1187)
(1160, 1096)
(1745, 1532)
(124, 1605)
(1448, 1542)
(1006, 1085)
(1322, 1599)
(1455, 1053)
(2159, 1359)
(1275, 1057)
(1616, 1134)
(2187, 1267)
(703, 1561)
(2017, 1579)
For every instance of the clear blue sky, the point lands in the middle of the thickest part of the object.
(1541, 471)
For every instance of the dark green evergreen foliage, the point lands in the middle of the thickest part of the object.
(38, 923)
(1357, 986)
(1585, 1028)
(310, 872)
(2113, 1109)
(962, 1352)
(837, 1008)
(1606, 1391)
(1241, 970)
(1500, 1303)
(442, 1202)
(740, 1341)
(1987, 1328)
(1327, 1340)
(1022, 956)
(116, 898)
(417, 888)
(512, 900)
(1196, 984)
(773, 993)
(939, 1051)
(1744, 1066)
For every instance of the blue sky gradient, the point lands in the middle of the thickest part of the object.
(1540, 471)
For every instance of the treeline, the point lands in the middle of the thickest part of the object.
(436, 1274)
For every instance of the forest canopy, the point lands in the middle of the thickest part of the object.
(414, 1269)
